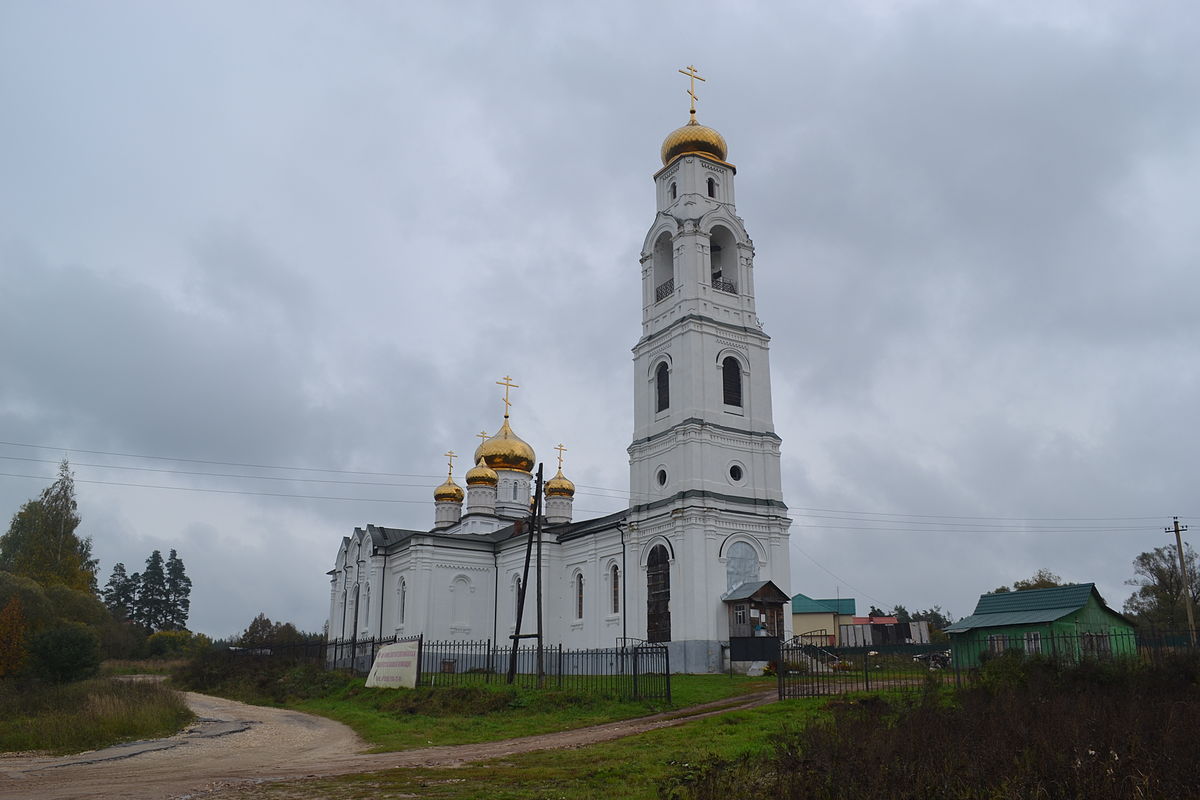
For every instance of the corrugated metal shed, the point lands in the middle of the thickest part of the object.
(1028, 607)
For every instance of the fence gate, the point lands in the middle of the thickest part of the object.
(809, 670)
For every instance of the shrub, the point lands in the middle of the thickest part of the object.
(169, 644)
(69, 652)
(12, 638)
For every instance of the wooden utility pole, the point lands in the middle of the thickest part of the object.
(1187, 579)
(517, 636)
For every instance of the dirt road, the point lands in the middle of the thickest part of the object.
(234, 744)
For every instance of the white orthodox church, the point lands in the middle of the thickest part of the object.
(700, 556)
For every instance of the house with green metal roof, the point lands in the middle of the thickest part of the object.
(820, 620)
(1070, 622)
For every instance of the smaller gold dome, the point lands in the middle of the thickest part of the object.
(693, 138)
(448, 492)
(506, 450)
(482, 474)
(559, 486)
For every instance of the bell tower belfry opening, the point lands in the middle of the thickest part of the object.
(704, 461)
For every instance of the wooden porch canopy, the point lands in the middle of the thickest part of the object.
(756, 609)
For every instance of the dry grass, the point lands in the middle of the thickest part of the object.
(86, 715)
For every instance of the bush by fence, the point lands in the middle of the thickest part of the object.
(806, 670)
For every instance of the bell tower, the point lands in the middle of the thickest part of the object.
(704, 462)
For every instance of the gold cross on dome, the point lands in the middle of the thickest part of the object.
(450, 454)
(560, 450)
(483, 436)
(507, 383)
(693, 77)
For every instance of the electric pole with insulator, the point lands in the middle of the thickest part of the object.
(1187, 579)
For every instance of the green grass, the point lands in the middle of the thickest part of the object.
(631, 768)
(402, 719)
(86, 715)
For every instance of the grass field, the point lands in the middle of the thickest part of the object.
(629, 769)
(86, 715)
(402, 719)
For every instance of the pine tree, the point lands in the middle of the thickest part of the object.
(41, 542)
(179, 590)
(121, 592)
(152, 594)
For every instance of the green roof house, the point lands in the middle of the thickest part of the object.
(1071, 622)
(818, 621)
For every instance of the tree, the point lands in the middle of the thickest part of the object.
(41, 542)
(152, 604)
(877, 612)
(69, 652)
(179, 590)
(121, 592)
(1042, 579)
(259, 633)
(1159, 599)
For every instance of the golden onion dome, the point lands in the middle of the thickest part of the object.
(559, 486)
(506, 450)
(693, 138)
(482, 475)
(448, 492)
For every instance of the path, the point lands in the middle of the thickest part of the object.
(234, 744)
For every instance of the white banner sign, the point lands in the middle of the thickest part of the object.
(395, 666)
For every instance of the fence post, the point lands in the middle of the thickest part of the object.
(560, 665)
(667, 674)
(491, 662)
(420, 653)
(781, 669)
(636, 694)
(866, 670)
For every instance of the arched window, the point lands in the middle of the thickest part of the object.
(673, 191)
(741, 565)
(579, 596)
(658, 595)
(662, 387)
(712, 188)
(614, 575)
(402, 601)
(722, 252)
(516, 491)
(459, 602)
(663, 267)
(731, 381)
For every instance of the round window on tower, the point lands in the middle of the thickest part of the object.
(661, 477)
(737, 474)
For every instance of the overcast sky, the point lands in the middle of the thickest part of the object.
(311, 237)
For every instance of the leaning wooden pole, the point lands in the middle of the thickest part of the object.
(536, 529)
(517, 636)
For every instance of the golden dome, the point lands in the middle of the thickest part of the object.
(506, 450)
(693, 138)
(559, 486)
(448, 492)
(481, 473)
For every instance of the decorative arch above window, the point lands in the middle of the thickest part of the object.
(731, 382)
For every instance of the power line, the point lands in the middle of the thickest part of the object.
(223, 491)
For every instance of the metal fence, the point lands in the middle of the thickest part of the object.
(810, 670)
(634, 670)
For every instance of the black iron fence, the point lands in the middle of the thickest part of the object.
(809, 670)
(634, 670)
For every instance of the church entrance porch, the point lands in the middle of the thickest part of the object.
(755, 623)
